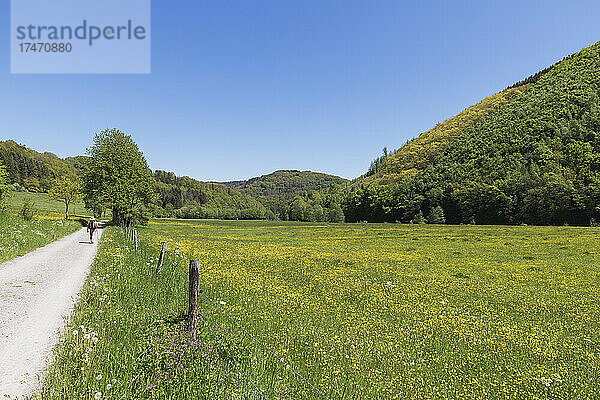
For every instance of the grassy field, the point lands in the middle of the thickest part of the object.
(18, 237)
(45, 205)
(360, 311)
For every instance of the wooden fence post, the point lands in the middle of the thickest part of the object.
(161, 257)
(194, 293)
(135, 239)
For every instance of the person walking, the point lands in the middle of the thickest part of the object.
(91, 228)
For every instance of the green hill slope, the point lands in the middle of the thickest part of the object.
(287, 182)
(423, 150)
(185, 197)
(276, 190)
(31, 169)
(534, 159)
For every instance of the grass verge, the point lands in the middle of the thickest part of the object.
(18, 237)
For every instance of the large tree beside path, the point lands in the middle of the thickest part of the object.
(118, 177)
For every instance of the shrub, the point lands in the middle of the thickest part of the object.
(418, 219)
(27, 211)
(436, 216)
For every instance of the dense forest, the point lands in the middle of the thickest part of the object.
(29, 170)
(278, 190)
(534, 159)
(185, 197)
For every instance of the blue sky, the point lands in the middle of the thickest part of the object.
(240, 89)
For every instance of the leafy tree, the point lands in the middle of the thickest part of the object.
(336, 214)
(118, 177)
(298, 210)
(67, 190)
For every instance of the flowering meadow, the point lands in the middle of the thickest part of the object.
(18, 237)
(341, 311)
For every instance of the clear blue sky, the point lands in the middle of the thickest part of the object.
(242, 88)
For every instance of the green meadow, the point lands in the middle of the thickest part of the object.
(45, 205)
(338, 311)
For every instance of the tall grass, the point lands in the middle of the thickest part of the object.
(18, 237)
(127, 338)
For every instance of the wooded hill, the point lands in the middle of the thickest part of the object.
(185, 197)
(277, 190)
(424, 149)
(32, 170)
(532, 158)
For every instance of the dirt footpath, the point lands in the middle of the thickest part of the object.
(37, 294)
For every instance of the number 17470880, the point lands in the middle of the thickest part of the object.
(42, 47)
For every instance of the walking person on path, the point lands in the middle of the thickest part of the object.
(91, 228)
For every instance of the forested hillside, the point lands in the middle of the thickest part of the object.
(277, 190)
(30, 169)
(185, 197)
(423, 150)
(532, 160)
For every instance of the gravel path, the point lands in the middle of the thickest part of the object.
(37, 294)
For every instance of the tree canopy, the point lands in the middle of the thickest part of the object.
(66, 189)
(118, 177)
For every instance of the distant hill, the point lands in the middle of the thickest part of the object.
(530, 154)
(290, 182)
(276, 190)
(31, 169)
(186, 197)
